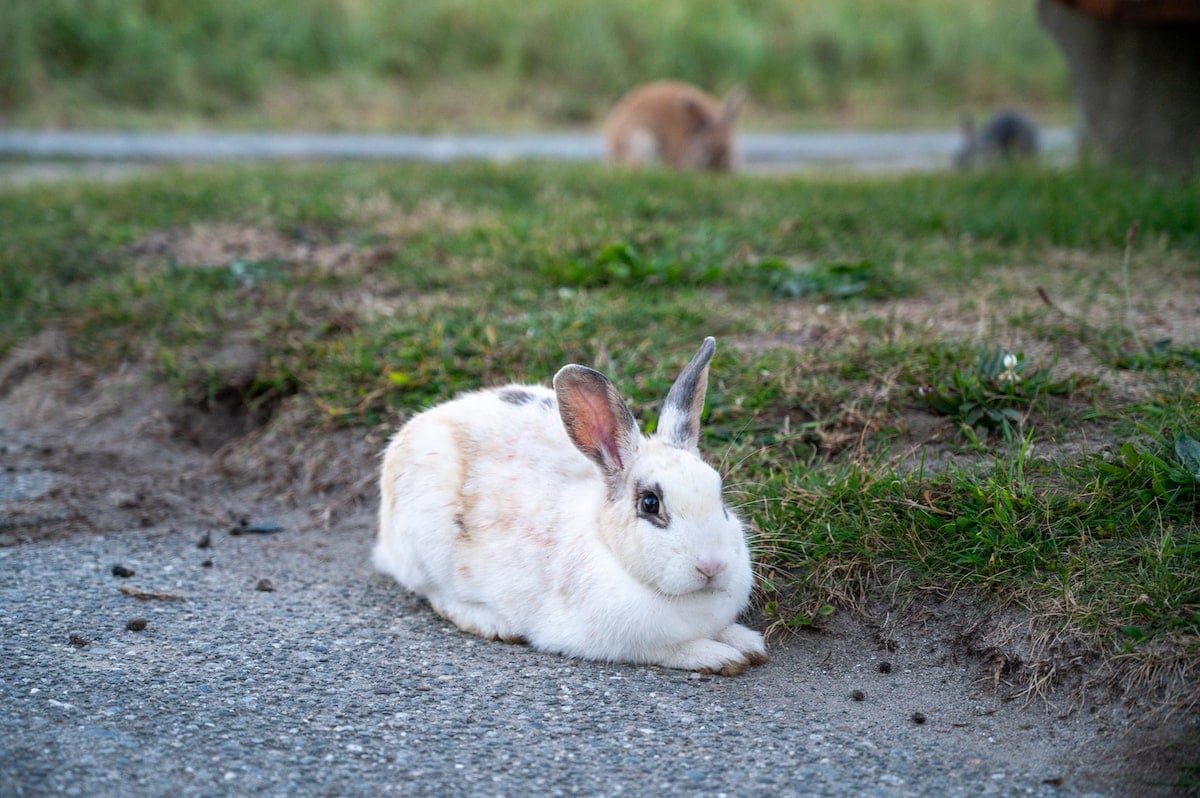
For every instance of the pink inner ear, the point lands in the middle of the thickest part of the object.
(598, 429)
(610, 446)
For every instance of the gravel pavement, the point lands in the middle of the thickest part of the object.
(336, 682)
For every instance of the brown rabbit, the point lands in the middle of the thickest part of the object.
(674, 124)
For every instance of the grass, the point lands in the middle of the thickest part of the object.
(861, 403)
(484, 64)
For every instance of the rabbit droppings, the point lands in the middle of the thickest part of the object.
(545, 516)
(674, 124)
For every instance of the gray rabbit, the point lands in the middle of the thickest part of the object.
(1008, 136)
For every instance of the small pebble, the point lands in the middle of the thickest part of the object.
(122, 500)
(264, 586)
(885, 667)
(247, 527)
(918, 718)
(122, 571)
(206, 564)
(79, 641)
(204, 542)
(136, 624)
(858, 695)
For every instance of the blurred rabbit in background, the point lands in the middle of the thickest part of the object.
(674, 124)
(1008, 136)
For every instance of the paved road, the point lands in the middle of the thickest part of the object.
(338, 683)
(864, 151)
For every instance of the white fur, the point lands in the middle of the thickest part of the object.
(641, 146)
(512, 531)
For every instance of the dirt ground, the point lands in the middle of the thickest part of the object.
(85, 453)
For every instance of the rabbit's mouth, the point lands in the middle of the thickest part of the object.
(707, 591)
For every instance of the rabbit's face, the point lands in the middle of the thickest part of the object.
(710, 143)
(679, 537)
(712, 148)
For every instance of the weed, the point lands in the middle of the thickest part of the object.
(622, 264)
(1188, 452)
(1161, 354)
(998, 393)
(829, 281)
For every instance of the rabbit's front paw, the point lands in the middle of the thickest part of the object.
(745, 640)
(707, 656)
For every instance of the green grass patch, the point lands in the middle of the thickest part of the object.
(410, 64)
(1041, 532)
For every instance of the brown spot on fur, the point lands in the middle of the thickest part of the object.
(757, 658)
(462, 534)
(466, 451)
(734, 668)
(469, 629)
(515, 640)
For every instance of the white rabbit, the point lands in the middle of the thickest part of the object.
(530, 515)
(674, 124)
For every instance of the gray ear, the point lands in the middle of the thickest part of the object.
(732, 106)
(597, 420)
(966, 123)
(679, 424)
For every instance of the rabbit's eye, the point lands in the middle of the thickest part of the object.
(649, 504)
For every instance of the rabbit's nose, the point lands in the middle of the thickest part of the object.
(711, 569)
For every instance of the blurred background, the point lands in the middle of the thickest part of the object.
(436, 66)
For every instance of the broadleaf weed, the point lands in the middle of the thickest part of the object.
(997, 394)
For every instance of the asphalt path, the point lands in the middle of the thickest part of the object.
(336, 682)
(853, 150)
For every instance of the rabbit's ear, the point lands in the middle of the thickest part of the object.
(596, 418)
(679, 424)
(732, 106)
(696, 113)
(966, 122)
